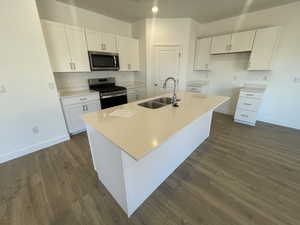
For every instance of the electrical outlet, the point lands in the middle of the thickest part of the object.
(36, 130)
(2, 89)
(51, 86)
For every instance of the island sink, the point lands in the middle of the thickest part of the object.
(134, 155)
(156, 103)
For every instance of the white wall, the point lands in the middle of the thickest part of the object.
(26, 74)
(168, 32)
(281, 105)
(64, 13)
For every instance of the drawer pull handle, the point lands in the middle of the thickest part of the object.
(82, 99)
(247, 104)
(249, 94)
(244, 115)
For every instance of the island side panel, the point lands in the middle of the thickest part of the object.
(142, 177)
(108, 165)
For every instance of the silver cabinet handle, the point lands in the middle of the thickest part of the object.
(71, 65)
(244, 115)
(249, 94)
(87, 108)
(111, 96)
(74, 66)
(83, 99)
(83, 108)
(247, 104)
(129, 66)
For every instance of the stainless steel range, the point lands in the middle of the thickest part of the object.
(110, 94)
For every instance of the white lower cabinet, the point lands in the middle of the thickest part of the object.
(73, 110)
(248, 107)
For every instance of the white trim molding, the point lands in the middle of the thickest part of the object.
(32, 148)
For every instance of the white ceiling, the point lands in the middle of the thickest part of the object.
(200, 10)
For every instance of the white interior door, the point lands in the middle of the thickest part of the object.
(166, 63)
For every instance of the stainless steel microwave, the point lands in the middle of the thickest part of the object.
(103, 61)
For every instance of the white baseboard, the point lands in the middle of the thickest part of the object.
(32, 148)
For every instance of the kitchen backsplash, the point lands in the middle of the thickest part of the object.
(79, 81)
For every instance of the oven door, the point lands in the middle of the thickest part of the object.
(113, 100)
(102, 61)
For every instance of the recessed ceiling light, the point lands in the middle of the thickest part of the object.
(154, 9)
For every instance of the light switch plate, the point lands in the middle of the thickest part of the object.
(2, 89)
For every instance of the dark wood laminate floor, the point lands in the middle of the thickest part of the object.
(240, 175)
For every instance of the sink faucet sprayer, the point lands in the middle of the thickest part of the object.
(174, 97)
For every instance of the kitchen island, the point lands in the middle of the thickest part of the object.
(134, 149)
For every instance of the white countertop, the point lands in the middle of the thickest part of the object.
(144, 129)
(253, 90)
(73, 93)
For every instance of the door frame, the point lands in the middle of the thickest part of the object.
(151, 75)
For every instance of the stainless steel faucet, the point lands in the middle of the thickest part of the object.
(174, 97)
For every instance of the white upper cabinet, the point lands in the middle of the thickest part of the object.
(57, 46)
(221, 44)
(78, 48)
(202, 54)
(242, 41)
(66, 47)
(109, 42)
(102, 42)
(263, 48)
(93, 39)
(128, 54)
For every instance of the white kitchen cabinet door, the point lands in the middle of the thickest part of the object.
(78, 48)
(93, 106)
(221, 44)
(202, 55)
(128, 54)
(93, 39)
(101, 42)
(263, 48)
(57, 46)
(109, 42)
(73, 113)
(242, 41)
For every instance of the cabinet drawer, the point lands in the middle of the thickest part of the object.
(244, 115)
(250, 94)
(79, 99)
(250, 104)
